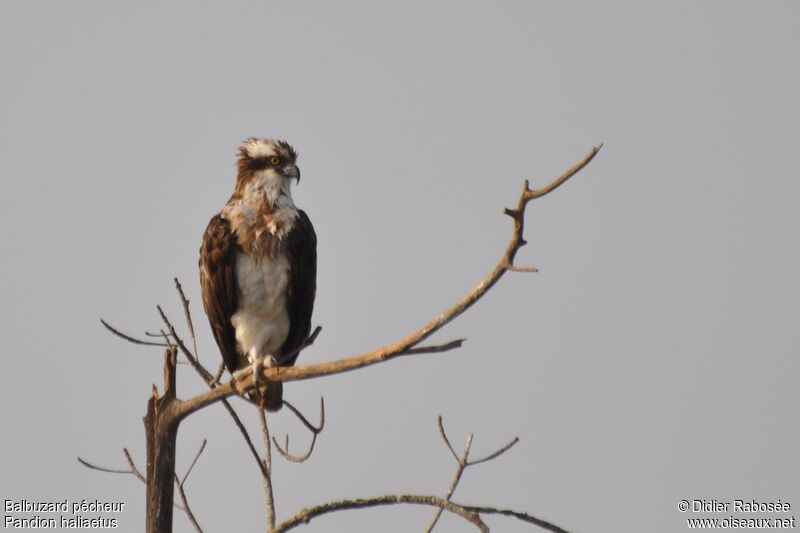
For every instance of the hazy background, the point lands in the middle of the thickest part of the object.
(653, 358)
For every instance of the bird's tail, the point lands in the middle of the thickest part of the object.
(271, 397)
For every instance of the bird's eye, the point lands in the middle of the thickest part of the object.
(274, 161)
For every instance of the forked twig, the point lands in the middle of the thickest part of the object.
(314, 431)
(128, 338)
(463, 462)
(132, 470)
(182, 492)
(185, 500)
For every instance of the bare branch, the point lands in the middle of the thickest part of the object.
(513, 268)
(462, 464)
(204, 373)
(306, 515)
(445, 439)
(295, 458)
(188, 315)
(314, 431)
(247, 439)
(135, 470)
(244, 382)
(218, 375)
(267, 478)
(128, 338)
(182, 493)
(496, 454)
(165, 336)
(93, 466)
(435, 349)
(303, 345)
(538, 193)
(305, 421)
(131, 470)
(525, 517)
(196, 457)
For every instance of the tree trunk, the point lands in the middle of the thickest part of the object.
(161, 427)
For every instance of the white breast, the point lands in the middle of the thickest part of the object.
(262, 320)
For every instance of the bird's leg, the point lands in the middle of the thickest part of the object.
(257, 363)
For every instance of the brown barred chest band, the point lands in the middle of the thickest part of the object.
(262, 231)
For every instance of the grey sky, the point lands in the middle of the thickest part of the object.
(653, 358)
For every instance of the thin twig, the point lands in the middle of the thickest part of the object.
(496, 454)
(525, 517)
(302, 346)
(196, 457)
(434, 349)
(188, 315)
(128, 338)
(185, 500)
(218, 375)
(93, 466)
(304, 420)
(445, 439)
(284, 452)
(247, 439)
(179, 342)
(295, 458)
(135, 470)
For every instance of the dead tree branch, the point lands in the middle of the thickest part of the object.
(305, 516)
(525, 517)
(132, 470)
(179, 483)
(186, 508)
(128, 338)
(314, 431)
(244, 382)
(463, 462)
(267, 479)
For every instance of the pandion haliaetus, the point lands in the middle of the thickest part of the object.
(258, 265)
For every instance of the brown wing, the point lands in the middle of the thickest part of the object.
(301, 247)
(218, 285)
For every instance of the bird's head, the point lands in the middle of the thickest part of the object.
(266, 166)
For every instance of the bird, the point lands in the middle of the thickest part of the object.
(258, 267)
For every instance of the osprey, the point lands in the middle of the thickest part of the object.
(258, 265)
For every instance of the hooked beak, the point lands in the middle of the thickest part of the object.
(292, 171)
